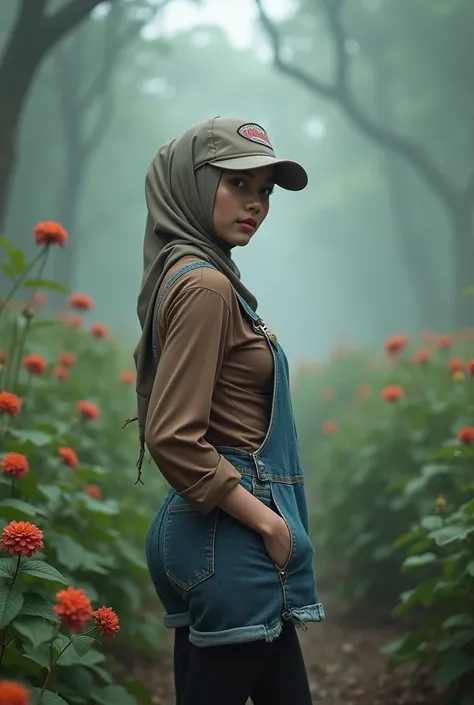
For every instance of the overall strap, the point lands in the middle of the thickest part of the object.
(168, 285)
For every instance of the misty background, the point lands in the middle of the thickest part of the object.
(375, 99)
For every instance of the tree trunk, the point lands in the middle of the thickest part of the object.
(463, 232)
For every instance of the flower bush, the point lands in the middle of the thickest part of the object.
(391, 484)
(73, 523)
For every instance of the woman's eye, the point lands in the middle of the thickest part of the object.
(238, 182)
(268, 191)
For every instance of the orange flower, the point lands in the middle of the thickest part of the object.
(328, 394)
(81, 302)
(12, 693)
(466, 435)
(421, 357)
(455, 365)
(21, 538)
(69, 457)
(444, 341)
(88, 409)
(61, 372)
(391, 393)
(68, 359)
(50, 233)
(10, 404)
(35, 364)
(93, 491)
(16, 465)
(470, 367)
(107, 620)
(39, 299)
(395, 344)
(329, 428)
(99, 330)
(74, 608)
(127, 376)
(3, 356)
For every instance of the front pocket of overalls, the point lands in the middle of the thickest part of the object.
(189, 545)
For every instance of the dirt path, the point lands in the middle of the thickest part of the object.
(344, 667)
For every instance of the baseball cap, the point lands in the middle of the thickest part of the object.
(240, 145)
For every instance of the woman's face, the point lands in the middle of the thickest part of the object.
(241, 204)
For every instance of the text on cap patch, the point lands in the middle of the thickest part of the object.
(253, 132)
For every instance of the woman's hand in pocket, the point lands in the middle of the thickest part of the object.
(278, 541)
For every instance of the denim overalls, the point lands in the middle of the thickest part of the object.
(212, 573)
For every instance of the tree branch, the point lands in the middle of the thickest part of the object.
(67, 18)
(340, 94)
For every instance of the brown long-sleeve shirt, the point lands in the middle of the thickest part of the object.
(213, 386)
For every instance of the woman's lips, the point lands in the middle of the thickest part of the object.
(248, 225)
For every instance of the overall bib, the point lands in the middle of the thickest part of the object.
(212, 573)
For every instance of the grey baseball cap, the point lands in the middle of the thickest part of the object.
(240, 145)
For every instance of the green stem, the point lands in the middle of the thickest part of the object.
(22, 278)
(19, 354)
(3, 632)
(11, 354)
(52, 663)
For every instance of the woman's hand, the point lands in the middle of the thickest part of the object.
(278, 542)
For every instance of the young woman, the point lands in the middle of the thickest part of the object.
(228, 551)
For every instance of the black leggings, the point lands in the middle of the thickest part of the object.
(270, 673)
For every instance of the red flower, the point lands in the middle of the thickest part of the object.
(422, 357)
(39, 299)
(392, 393)
(69, 457)
(21, 538)
(466, 435)
(12, 693)
(444, 341)
(470, 367)
(35, 364)
(3, 356)
(16, 465)
(68, 359)
(10, 404)
(81, 302)
(88, 409)
(93, 491)
(50, 233)
(127, 376)
(61, 372)
(395, 344)
(455, 365)
(107, 620)
(99, 330)
(74, 608)
(329, 428)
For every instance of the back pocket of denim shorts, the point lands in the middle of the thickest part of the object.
(189, 545)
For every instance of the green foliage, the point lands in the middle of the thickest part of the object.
(392, 498)
(94, 519)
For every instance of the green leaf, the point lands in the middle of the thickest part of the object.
(458, 620)
(8, 269)
(468, 291)
(40, 569)
(141, 693)
(448, 534)
(417, 561)
(69, 553)
(456, 664)
(108, 507)
(46, 284)
(40, 654)
(113, 695)
(7, 567)
(35, 629)
(38, 606)
(11, 602)
(470, 568)
(18, 260)
(430, 523)
(36, 438)
(82, 644)
(49, 698)
(44, 324)
(130, 553)
(13, 507)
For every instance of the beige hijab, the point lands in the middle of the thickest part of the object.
(180, 201)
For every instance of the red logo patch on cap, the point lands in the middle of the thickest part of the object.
(254, 133)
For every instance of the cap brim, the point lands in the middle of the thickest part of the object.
(288, 174)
